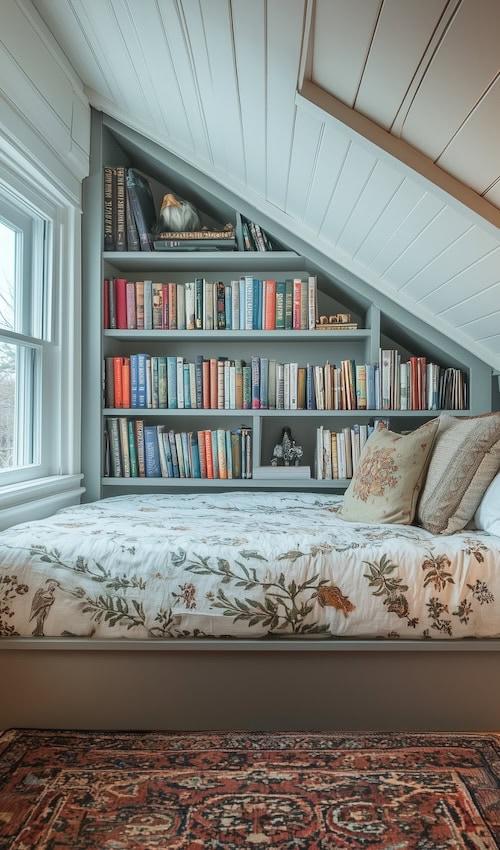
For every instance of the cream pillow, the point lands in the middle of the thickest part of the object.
(465, 459)
(387, 481)
(487, 516)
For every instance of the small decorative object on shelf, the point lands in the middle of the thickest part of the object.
(177, 215)
(340, 321)
(286, 452)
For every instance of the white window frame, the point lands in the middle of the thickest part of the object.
(53, 480)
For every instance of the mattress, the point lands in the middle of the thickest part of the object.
(242, 565)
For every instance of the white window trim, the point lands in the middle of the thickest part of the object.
(57, 481)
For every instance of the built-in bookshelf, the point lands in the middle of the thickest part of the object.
(218, 388)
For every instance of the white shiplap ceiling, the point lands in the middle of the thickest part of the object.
(369, 128)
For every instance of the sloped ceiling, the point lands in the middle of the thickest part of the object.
(369, 128)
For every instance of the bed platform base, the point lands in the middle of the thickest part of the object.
(251, 685)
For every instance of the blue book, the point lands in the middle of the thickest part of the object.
(134, 380)
(173, 452)
(187, 386)
(151, 452)
(198, 377)
(172, 382)
(215, 454)
(256, 304)
(186, 455)
(194, 454)
(255, 366)
(142, 380)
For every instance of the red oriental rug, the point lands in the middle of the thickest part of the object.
(280, 791)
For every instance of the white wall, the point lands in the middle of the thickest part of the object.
(44, 149)
(44, 113)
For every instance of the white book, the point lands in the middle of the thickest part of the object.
(294, 376)
(312, 301)
(318, 455)
(327, 454)
(280, 386)
(180, 382)
(248, 303)
(235, 305)
(286, 386)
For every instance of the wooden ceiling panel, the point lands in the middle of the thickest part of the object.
(410, 270)
(460, 72)
(470, 282)
(333, 150)
(461, 253)
(249, 32)
(406, 231)
(342, 34)
(404, 200)
(473, 313)
(473, 151)
(381, 187)
(404, 30)
(283, 62)
(356, 171)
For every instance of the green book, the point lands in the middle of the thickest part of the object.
(280, 304)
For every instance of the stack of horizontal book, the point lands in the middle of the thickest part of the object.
(201, 240)
(282, 472)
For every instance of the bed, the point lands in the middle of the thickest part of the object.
(246, 610)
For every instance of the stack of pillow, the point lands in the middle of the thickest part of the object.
(442, 476)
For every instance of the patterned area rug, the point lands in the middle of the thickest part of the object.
(283, 791)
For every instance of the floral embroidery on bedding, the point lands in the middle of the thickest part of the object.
(242, 565)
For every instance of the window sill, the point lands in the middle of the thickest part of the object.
(31, 500)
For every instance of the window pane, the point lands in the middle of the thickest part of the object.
(7, 275)
(17, 393)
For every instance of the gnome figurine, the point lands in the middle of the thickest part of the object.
(177, 215)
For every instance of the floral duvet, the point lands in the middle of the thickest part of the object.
(242, 565)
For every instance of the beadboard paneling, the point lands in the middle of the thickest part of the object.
(412, 209)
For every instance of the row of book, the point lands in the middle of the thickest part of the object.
(419, 385)
(135, 449)
(245, 304)
(337, 452)
(220, 383)
(255, 237)
(129, 210)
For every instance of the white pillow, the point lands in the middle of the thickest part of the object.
(487, 516)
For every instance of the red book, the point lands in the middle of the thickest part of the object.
(126, 382)
(120, 286)
(106, 304)
(164, 322)
(118, 380)
(269, 305)
(297, 295)
(213, 383)
(205, 371)
(208, 453)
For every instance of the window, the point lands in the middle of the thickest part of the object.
(24, 292)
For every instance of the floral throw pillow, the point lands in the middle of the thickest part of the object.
(386, 484)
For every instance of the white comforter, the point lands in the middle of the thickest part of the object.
(242, 564)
